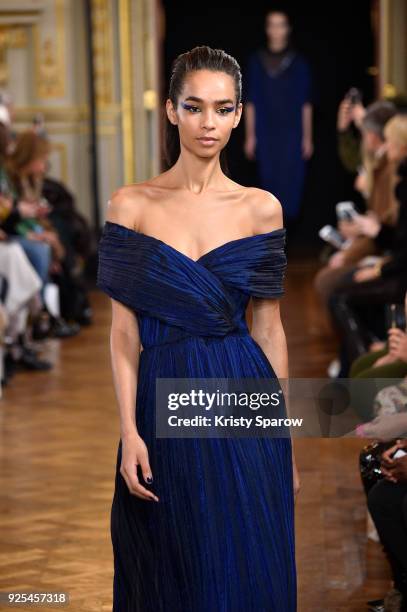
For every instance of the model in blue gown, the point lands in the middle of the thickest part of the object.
(278, 97)
(221, 537)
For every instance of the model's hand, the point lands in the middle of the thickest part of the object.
(307, 148)
(296, 480)
(250, 147)
(134, 453)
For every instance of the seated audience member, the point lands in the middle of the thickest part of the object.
(348, 124)
(379, 365)
(30, 225)
(367, 289)
(388, 425)
(387, 503)
(378, 185)
(21, 285)
(79, 244)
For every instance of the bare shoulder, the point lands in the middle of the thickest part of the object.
(266, 210)
(126, 205)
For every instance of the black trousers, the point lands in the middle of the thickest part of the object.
(387, 503)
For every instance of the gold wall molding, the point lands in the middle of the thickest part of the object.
(385, 46)
(127, 93)
(102, 51)
(48, 77)
(49, 61)
(12, 15)
(11, 37)
(67, 113)
(53, 113)
(393, 47)
(150, 99)
(107, 130)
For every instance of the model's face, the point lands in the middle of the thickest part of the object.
(206, 112)
(395, 150)
(277, 28)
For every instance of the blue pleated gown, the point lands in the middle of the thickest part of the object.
(221, 538)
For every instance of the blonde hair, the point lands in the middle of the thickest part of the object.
(396, 129)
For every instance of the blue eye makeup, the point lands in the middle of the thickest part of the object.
(227, 109)
(194, 109)
(189, 107)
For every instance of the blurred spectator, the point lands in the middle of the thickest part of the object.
(387, 503)
(20, 285)
(388, 426)
(23, 284)
(278, 113)
(42, 231)
(370, 287)
(75, 234)
(379, 182)
(390, 362)
(350, 114)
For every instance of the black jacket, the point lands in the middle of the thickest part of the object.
(394, 237)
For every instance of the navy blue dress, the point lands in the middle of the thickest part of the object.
(278, 99)
(221, 538)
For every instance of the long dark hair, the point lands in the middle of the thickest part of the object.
(199, 58)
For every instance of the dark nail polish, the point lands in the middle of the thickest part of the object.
(149, 479)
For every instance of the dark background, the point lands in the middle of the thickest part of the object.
(337, 40)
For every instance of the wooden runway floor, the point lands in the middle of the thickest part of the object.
(59, 435)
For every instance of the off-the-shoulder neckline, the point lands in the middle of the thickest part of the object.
(277, 231)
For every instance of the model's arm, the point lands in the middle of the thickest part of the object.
(267, 328)
(307, 140)
(250, 123)
(125, 355)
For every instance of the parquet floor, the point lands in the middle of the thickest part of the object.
(59, 434)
